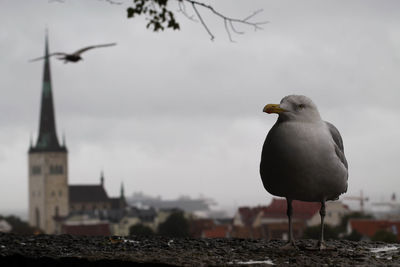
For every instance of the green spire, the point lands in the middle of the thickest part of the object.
(47, 139)
(122, 196)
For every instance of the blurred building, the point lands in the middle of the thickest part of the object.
(219, 231)
(184, 203)
(47, 164)
(387, 210)
(271, 222)
(369, 227)
(5, 227)
(52, 201)
(82, 225)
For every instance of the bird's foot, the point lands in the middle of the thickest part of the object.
(291, 245)
(321, 245)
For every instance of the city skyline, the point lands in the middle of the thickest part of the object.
(173, 113)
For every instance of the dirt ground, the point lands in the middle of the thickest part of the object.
(66, 250)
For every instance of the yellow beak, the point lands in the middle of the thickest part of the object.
(273, 108)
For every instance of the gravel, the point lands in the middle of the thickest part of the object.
(67, 250)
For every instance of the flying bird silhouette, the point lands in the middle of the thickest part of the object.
(74, 57)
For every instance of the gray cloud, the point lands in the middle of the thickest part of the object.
(174, 113)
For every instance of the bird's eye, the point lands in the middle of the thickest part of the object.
(301, 106)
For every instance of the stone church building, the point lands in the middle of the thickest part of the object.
(51, 198)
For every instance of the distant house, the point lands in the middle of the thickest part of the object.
(133, 216)
(88, 198)
(218, 231)
(271, 221)
(243, 222)
(5, 227)
(90, 205)
(85, 224)
(122, 228)
(368, 227)
(335, 210)
(245, 216)
(210, 228)
(95, 229)
(198, 226)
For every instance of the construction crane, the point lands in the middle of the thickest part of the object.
(392, 204)
(360, 198)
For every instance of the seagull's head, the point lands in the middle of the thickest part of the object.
(294, 107)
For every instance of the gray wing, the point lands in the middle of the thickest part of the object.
(52, 54)
(91, 47)
(339, 149)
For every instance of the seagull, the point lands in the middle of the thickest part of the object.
(303, 158)
(74, 57)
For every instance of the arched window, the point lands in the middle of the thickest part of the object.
(56, 211)
(56, 169)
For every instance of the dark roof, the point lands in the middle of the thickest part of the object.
(117, 203)
(145, 215)
(197, 226)
(301, 210)
(87, 193)
(47, 138)
(248, 214)
(369, 227)
(219, 231)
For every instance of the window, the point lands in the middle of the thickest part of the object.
(56, 169)
(37, 217)
(36, 170)
(59, 193)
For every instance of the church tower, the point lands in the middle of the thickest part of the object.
(47, 166)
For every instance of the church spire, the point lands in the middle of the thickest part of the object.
(122, 195)
(47, 138)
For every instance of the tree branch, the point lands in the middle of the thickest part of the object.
(182, 9)
(227, 20)
(160, 17)
(202, 21)
(112, 2)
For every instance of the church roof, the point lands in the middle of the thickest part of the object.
(117, 203)
(87, 193)
(47, 138)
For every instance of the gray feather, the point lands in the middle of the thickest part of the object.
(339, 148)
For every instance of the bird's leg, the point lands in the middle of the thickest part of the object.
(321, 243)
(290, 244)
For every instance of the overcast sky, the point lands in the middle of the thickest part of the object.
(174, 113)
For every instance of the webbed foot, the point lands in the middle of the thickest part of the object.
(291, 245)
(321, 245)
